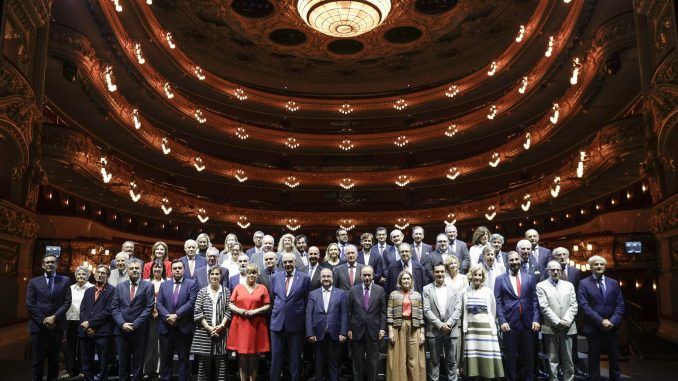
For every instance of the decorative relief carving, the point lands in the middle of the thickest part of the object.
(665, 217)
(17, 223)
(27, 16)
(673, 251)
(17, 104)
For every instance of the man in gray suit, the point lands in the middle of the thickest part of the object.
(442, 308)
(347, 274)
(258, 257)
(458, 248)
(558, 304)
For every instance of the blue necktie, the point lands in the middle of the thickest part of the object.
(600, 288)
(50, 283)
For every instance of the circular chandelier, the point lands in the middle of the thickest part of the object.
(343, 18)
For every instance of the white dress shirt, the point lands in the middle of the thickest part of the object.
(77, 293)
(441, 298)
(327, 292)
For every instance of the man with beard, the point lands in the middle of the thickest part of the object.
(314, 267)
(96, 324)
(369, 256)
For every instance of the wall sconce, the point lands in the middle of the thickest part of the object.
(528, 141)
(346, 109)
(555, 113)
(132, 191)
(202, 217)
(493, 68)
(346, 145)
(118, 7)
(108, 75)
(199, 116)
(400, 105)
(197, 70)
(198, 164)
(523, 85)
(402, 223)
(525, 206)
(580, 164)
(291, 182)
(168, 90)
(347, 224)
(240, 94)
(451, 130)
(346, 183)
(165, 146)
(401, 141)
(549, 48)
(491, 212)
(291, 143)
(555, 188)
(165, 206)
(452, 91)
(494, 160)
(240, 175)
(453, 173)
(241, 133)
(170, 42)
(242, 222)
(291, 106)
(576, 66)
(521, 33)
(292, 224)
(492, 113)
(135, 119)
(105, 175)
(451, 219)
(402, 180)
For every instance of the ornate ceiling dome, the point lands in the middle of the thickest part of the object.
(344, 18)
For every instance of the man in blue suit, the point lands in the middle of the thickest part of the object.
(405, 263)
(175, 304)
(131, 307)
(96, 324)
(540, 254)
(370, 256)
(602, 303)
(519, 318)
(327, 326)
(392, 254)
(240, 278)
(202, 274)
(48, 297)
(192, 261)
(289, 292)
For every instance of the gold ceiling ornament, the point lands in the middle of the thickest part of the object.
(343, 18)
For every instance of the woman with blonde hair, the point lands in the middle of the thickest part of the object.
(481, 238)
(204, 243)
(332, 259)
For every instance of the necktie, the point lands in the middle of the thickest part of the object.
(191, 265)
(326, 299)
(418, 248)
(288, 279)
(381, 249)
(600, 288)
(132, 291)
(97, 292)
(50, 283)
(175, 295)
(312, 272)
(366, 298)
(520, 305)
(351, 274)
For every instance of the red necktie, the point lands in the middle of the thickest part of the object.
(351, 275)
(288, 279)
(132, 291)
(520, 305)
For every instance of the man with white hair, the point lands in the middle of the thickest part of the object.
(393, 254)
(127, 247)
(192, 261)
(458, 248)
(346, 275)
(602, 303)
(240, 277)
(405, 264)
(119, 274)
(267, 243)
(257, 239)
(558, 304)
(528, 263)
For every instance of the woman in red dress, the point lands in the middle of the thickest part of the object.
(248, 334)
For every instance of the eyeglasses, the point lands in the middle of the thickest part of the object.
(555, 270)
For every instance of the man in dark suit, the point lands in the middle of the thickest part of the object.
(202, 274)
(314, 267)
(392, 254)
(381, 248)
(289, 293)
(419, 248)
(342, 241)
(192, 261)
(327, 326)
(370, 256)
(301, 243)
(348, 274)
(458, 248)
(540, 254)
(367, 324)
(257, 258)
(131, 307)
(241, 277)
(96, 324)
(48, 297)
(519, 319)
(602, 303)
(405, 263)
(257, 238)
(175, 304)
(270, 261)
(528, 265)
(497, 242)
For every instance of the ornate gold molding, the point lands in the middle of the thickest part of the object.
(17, 222)
(26, 15)
(664, 217)
(17, 108)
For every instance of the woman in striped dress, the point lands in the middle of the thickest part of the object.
(482, 356)
(211, 316)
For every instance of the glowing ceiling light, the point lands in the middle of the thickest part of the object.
(291, 143)
(168, 90)
(292, 224)
(402, 180)
(291, 106)
(453, 173)
(346, 145)
(549, 49)
(346, 109)
(451, 219)
(137, 52)
(492, 113)
(149, 2)
(401, 141)
(240, 175)
(525, 206)
(197, 70)
(165, 146)
(493, 68)
(576, 67)
(494, 160)
(580, 164)
(118, 7)
(105, 175)
(521, 33)
(168, 38)
(555, 113)
(291, 182)
(343, 18)
(199, 116)
(165, 206)
(523, 85)
(198, 164)
(400, 104)
(402, 223)
(555, 188)
(451, 130)
(202, 217)
(243, 222)
(346, 183)
(132, 191)
(528, 141)
(347, 224)
(240, 94)
(643, 188)
(491, 212)
(108, 74)
(452, 91)
(567, 1)
(135, 119)
(241, 133)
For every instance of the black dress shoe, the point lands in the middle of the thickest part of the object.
(541, 374)
(581, 373)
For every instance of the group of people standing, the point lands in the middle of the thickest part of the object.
(478, 311)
